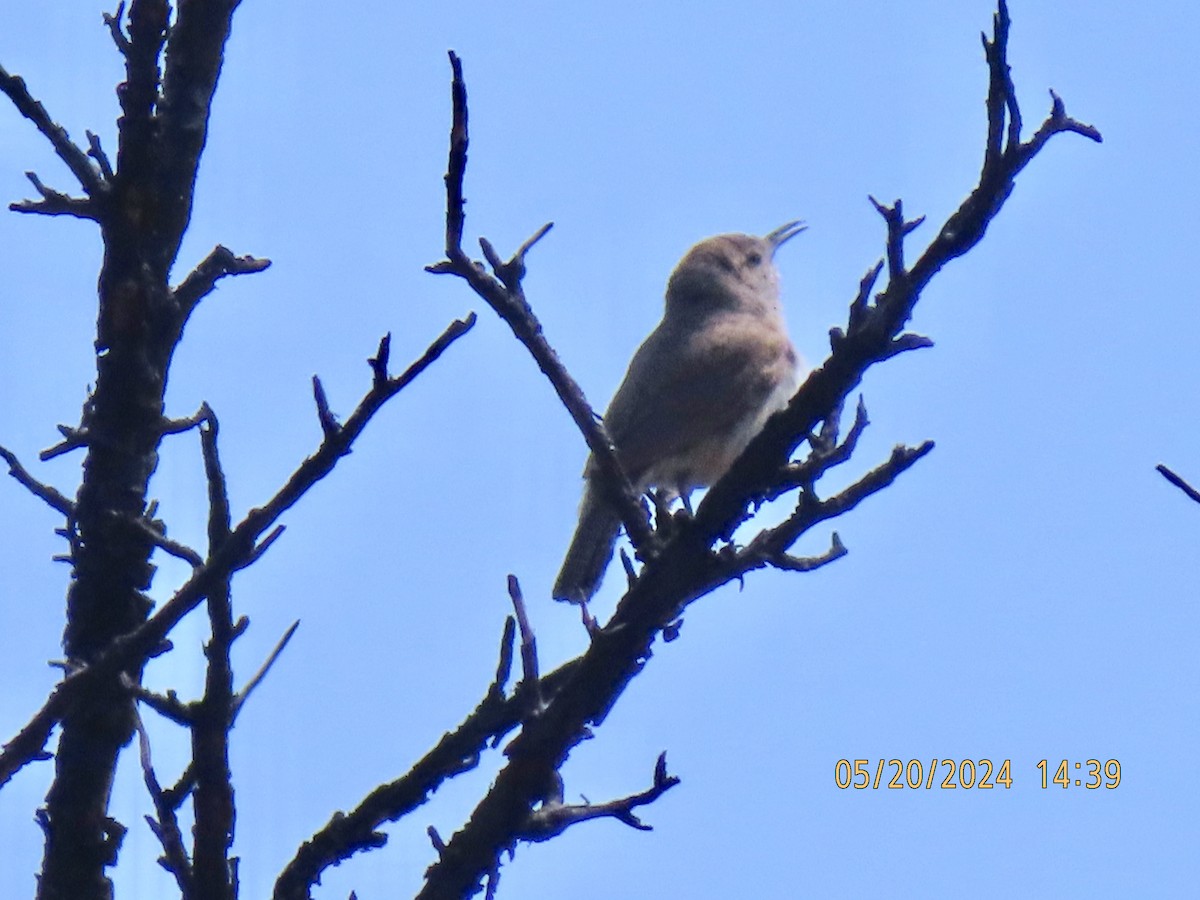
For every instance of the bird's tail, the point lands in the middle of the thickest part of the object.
(590, 551)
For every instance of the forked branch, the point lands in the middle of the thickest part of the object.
(686, 567)
(241, 547)
(503, 291)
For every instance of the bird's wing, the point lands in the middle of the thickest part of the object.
(679, 394)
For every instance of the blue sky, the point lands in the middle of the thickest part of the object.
(1026, 592)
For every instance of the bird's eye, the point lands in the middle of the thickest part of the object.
(754, 259)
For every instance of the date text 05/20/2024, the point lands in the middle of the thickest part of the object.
(968, 774)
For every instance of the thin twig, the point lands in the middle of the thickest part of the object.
(44, 491)
(771, 545)
(174, 548)
(458, 751)
(77, 161)
(73, 439)
(113, 22)
(329, 422)
(202, 280)
(139, 644)
(1178, 482)
(166, 827)
(686, 568)
(96, 152)
(553, 819)
(530, 680)
(213, 801)
(55, 203)
(503, 291)
(168, 705)
(240, 700)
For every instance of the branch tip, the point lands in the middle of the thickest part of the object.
(1178, 481)
(329, 422)
(379, 362)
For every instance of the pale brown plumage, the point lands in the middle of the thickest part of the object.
(698, 389)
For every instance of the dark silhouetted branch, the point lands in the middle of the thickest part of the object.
(244, 694)
(35, 487)
(174, 548)
(530, 680)
(73, 439)
(166, 825)
(77, 161)
(55, 203)
(202, 280)
(126, 650)
(552, 819)
(686, 567)
(771, 546)
(458, 751)
(168, 705)
(1178, 482)
(503, 292)
(214, 714)
(113, 23)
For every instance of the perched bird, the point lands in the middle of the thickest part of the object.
(701, 386)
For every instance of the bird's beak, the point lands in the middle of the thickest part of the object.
(784, 233)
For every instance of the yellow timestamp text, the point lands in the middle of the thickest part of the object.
(969, 774)
(1088, 772)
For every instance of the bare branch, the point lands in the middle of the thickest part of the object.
(770, 547)
(77, 161)
(897, 230)
(166, 828)
(504, 293)
(160, 540)
(96, 152)
(686, 568)
(35, 487)
(329, 422)
(825, 455)
(240, 700)
(379, 362)
(553, 819)
(261, 547)
(1003, 159)
(858, 307)
(214, 476)
(113, 23)
(791, 563)
(202, 280)
(1178, 482)
(187, 423)
(168, 705)
(55, 203)
(139, 644)
(73, 439)
(504, 665)
(530, 681)
(458, 751)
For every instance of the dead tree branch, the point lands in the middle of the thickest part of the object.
(166, 825)
(504, 293)
(213, 797)
(552, 819)
(55, 203)
(686, 568)
(76, 159)
(202, 280)
(1176, 480)
(130, 649)
(52, 496)
(458, 751)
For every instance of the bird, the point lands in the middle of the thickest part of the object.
(697, 390)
